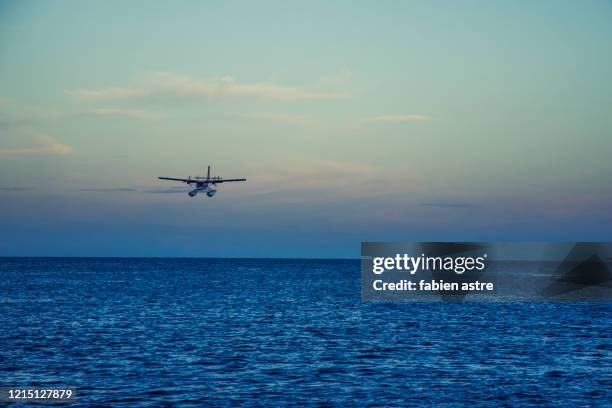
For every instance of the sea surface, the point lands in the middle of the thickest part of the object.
(221, 332)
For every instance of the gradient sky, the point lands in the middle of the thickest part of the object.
(353, 121)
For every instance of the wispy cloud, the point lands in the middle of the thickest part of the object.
(43, 144)
(168, 190)
(30, 117)
(16, 128)
(109, 190)
(341, 77)
(440, 204)
(165, 86)
(279, 118)
(324, 180)
(399, 118)
(149, 190)
(125, 113)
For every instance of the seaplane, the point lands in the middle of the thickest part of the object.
(205, 185)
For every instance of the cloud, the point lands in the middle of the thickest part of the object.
(125, 113)
(341, 77)
(447, 205)
(151, 190)
(106, 190)
(324, 180)
(319, 174)
(146, 190)
(165, 86)
(399, 118)
(29, 117)
(43, 145)
(169, 190)
(279, 118)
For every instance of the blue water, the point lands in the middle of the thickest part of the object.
(197, 332)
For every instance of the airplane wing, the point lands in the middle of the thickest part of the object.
(193, 181)
(188, 181)
(214, 181)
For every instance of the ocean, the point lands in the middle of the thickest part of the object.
(261, 332)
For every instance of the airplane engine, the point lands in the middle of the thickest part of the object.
(193, 193)
(211, 193)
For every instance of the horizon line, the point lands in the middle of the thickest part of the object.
(175, 257)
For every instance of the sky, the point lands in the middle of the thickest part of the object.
(352, 121)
